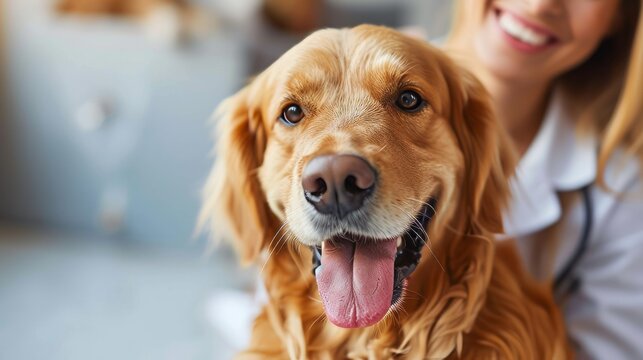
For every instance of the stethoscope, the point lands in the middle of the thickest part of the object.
(565, 283)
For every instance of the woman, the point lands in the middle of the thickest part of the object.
(566, 78)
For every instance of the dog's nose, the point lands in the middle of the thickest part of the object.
(338, 184)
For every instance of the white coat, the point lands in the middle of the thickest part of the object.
(602, 300)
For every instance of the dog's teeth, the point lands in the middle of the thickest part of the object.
(399, 241)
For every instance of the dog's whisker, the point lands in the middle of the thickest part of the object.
(424, 203)
(382, 148)
(276, 233)
(317, 318)
(397, 312)
(414, 220)
(428, 243)
(455, 231)
(420, 296)
(418, 201)
(273, 248)
(315, 300)
(290, 238)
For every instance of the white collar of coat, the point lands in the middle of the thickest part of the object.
(558, 159)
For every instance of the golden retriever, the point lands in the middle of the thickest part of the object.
(370, 151)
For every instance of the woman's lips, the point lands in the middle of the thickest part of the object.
(523, 35)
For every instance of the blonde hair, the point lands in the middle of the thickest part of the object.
(625, 125)
(605, 90)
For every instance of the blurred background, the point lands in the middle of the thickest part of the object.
(104, 146)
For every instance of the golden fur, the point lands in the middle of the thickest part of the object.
(469, 297)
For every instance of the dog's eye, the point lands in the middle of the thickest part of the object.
(292, 114)
(409, 101)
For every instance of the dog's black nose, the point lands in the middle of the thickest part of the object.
(338, 184)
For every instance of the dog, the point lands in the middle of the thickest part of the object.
(377, 156)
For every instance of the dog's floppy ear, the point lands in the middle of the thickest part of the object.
(234, 205)
(489, 158)
(478, 196)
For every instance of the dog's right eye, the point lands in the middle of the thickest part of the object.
(409, 101)
(292, 114)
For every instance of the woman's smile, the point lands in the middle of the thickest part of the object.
(522, 34)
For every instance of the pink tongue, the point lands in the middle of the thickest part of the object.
(355, 281)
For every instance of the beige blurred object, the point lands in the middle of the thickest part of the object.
(3, 65)
(295, 15)
(165, 22)
(133, 8)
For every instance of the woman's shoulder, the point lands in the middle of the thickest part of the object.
(619, 201)
(609, 275)
(623, 170)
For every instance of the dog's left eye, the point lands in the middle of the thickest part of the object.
(292, 114)
(409, 101)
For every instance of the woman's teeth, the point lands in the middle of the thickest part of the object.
(520, 32)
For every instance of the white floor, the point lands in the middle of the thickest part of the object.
(72, 297)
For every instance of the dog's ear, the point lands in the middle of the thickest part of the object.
(234, 205)
(489, 158)
(478, 198)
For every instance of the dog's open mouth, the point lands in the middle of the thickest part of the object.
(359, 279)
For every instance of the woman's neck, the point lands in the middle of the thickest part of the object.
(519, 106)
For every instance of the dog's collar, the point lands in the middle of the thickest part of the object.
(427, 213)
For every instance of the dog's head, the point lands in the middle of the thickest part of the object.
(348, 141)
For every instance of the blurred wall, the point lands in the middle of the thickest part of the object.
(149, 158)
(434, 16)
(5, 137)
